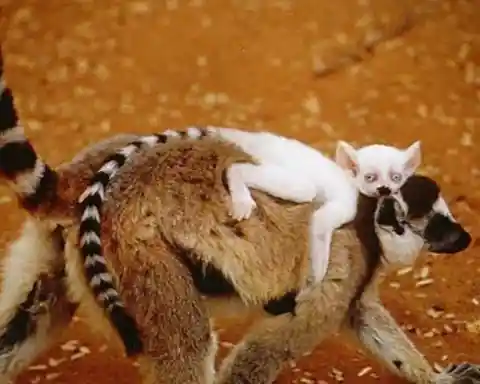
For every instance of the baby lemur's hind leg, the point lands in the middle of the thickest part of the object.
(320, 311)
(383, 338)
(325, 220)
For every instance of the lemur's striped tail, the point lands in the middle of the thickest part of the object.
(33, 181)
(97, 273)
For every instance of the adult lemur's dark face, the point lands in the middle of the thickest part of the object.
(419, 209)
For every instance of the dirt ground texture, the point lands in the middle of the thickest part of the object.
(359, 70)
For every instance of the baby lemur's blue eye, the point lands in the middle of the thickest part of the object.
(370, 177)
(396, 177)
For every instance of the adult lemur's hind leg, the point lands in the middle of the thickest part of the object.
(192, 368)
(34, 307)
(157, 288)
(319, 312)
(179, 343)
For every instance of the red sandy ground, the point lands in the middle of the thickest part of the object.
(368, 70)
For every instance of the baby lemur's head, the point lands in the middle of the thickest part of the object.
(416, 218)
(378, 170)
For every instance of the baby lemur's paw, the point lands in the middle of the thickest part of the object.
(464, 373)
(242, 207)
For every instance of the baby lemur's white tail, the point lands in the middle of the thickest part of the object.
(90, 205)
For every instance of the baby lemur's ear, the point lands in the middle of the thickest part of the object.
(346, 157)
(413, 158)
(389, 213)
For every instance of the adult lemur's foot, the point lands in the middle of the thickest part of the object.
(464, 373)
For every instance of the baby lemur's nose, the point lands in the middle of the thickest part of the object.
(384, 191)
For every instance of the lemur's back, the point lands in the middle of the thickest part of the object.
(183, 201)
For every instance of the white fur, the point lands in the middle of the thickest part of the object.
(94, 259)
(291, 170)
(89, 237)
(128, 150)
(193, 132)
(93, 189)
(441, 206)
(31, 254)
(209, 367)
(171, 133)
(149, 140)
(16, 134)
(91, 212)
(380, 161)
(27, 182)
(109, 168)
(400, 250)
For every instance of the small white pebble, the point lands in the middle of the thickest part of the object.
(428, 334)
(473, 327)
(39, 367)
(424, 273)
(447, 328)
(52, 376)
(84, 350)
(364, 371)
(404, 271)
(77, 356)
(433, 313)
(424, 282)
(306, 380)
(55, 362)
(71, 345)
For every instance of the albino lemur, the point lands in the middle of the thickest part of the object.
(168, 239)
(286, 168)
